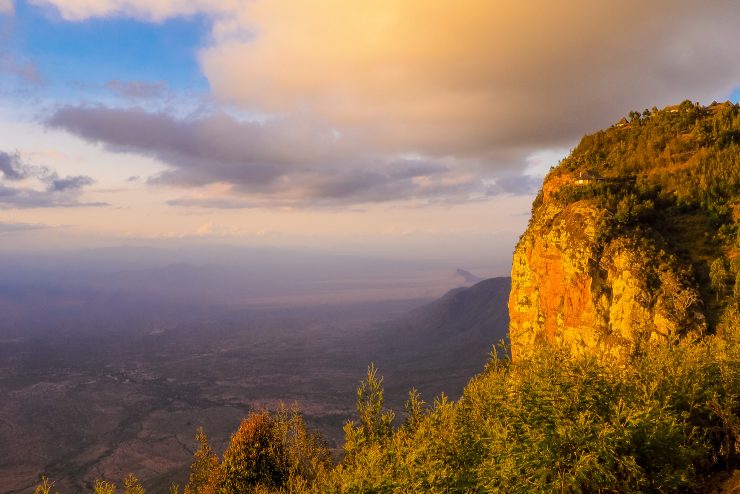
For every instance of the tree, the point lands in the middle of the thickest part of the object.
(104, 487)
(131, 485)
(719, 276)
(306, 455)
(270, 451)
(414, 408)
(253, 457)
(374, 425)
(44, 487)
(204, 469)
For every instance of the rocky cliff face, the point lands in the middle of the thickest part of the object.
(573, 288)
(628, 256)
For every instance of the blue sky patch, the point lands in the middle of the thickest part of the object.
(735, 96)
(77, 56)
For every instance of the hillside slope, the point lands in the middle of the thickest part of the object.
(439, 346)
(634, 236)
(470, 312)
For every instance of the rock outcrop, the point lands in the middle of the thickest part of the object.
(571, 287)
(622, 259)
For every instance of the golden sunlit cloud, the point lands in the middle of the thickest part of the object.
(443, 77)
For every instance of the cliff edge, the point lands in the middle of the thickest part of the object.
(633, 238)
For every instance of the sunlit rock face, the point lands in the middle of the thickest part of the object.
(592, 293)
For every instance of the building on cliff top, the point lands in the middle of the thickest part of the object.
(588, 177)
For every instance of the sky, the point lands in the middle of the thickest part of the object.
(402, 128)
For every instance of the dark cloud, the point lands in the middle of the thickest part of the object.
(137, 89)
(27, 198)
(202, 150)
(11, 167)
(69, 183)
(288, 161)
(57, 191)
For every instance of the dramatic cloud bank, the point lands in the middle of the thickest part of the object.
(348, 91)
(367, 101)
(441, 77)
(436, 75)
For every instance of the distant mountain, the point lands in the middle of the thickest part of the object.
(468, 277)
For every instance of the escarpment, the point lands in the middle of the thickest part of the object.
(633, 239)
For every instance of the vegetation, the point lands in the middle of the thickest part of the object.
(269, 452)
(672, 178)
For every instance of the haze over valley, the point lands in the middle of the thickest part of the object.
(112, 358)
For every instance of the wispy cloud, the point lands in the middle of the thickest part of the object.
(24, 70)
(10, 228)
(18, 179)
(6, 7)
(137, 90)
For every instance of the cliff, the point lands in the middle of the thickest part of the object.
(633, 238)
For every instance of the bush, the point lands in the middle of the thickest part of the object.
(269, 452)
(556, 423)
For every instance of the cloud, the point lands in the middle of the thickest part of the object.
(515, 185)
(137, 89)
(203, 149)
(149, 10)
(10, 63)
(55, 191)
(213, 202)
(281, 161)
(23, 70)
(10, 228)
(11, 167)
(6, 7)
(347, 89)
(441, 78)
(27, 198)
(69, 183)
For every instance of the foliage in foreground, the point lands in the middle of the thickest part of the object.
(554, 423)
(665, 422)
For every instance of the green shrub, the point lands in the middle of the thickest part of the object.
(556, 423)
